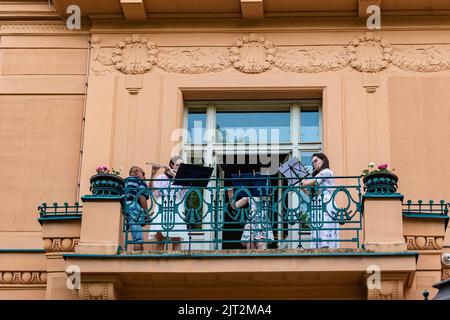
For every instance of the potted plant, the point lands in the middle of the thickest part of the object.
(106, 182)
(379, 179)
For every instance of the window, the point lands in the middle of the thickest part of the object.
(309, 126)
(196, 126)
(253, 126)
(217, 128)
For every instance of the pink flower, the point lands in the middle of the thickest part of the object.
(103, 169)
(383, 166)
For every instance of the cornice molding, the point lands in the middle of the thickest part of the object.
(36, 28)
(209, 25)
(284, 24)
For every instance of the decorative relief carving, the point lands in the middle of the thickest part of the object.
(369, 53)
(60, 244)
(428, 59)
(99, 290)
(22, 277)
(198, 60)
(424, 243)
(101, 63)
(134, 55)
(311, 60)
(95, 291)
(252, 54)
(445, 274)
(390, 290)
(41, 28)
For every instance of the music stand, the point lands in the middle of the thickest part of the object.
(190, 175)
(295, 171)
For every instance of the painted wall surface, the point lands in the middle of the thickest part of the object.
(41, 109)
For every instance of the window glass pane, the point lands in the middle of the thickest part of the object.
(305, 158)
(195, 157)
(253, 127)
(196, 127)
(309, 122)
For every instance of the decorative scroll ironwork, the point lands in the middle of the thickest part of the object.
(294, 215)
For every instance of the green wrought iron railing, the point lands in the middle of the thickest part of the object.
(57, 212)
(275, 215)
(421, 209)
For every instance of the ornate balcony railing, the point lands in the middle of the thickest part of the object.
(278, 214)
(57, 212)
(422, 209)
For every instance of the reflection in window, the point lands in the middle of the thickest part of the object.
(195, 157)
(309, 122)
(196, 127)
(253, 127)
(305, 158)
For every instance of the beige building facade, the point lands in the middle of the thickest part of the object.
(115, 91)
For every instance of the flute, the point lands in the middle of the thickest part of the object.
(155, 165)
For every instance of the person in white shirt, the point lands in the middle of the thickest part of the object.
(323, 219)
(169, 212)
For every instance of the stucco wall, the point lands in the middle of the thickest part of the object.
(41, 109)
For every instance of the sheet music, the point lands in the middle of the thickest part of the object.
(294, 170)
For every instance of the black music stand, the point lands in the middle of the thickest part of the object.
(294, 170)
(190, 175)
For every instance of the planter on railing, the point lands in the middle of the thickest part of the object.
(380, 183)
(105, 185)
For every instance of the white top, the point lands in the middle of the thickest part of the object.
(326, 181)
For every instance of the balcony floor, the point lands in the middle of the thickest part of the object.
(244, 274)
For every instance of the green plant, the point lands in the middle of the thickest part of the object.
(105, 170)
(380, 168)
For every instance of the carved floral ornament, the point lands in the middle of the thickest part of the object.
(134, 55)
(253, 54)
(369, 53)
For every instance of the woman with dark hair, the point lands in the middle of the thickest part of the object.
(323, 220)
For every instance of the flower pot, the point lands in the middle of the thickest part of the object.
(380, 182)
(105, 185)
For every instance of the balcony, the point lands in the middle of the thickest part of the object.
(296, 256)
(274, 216)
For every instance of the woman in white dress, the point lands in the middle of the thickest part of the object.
(323, 219)
(258, 226)
(169, 211)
